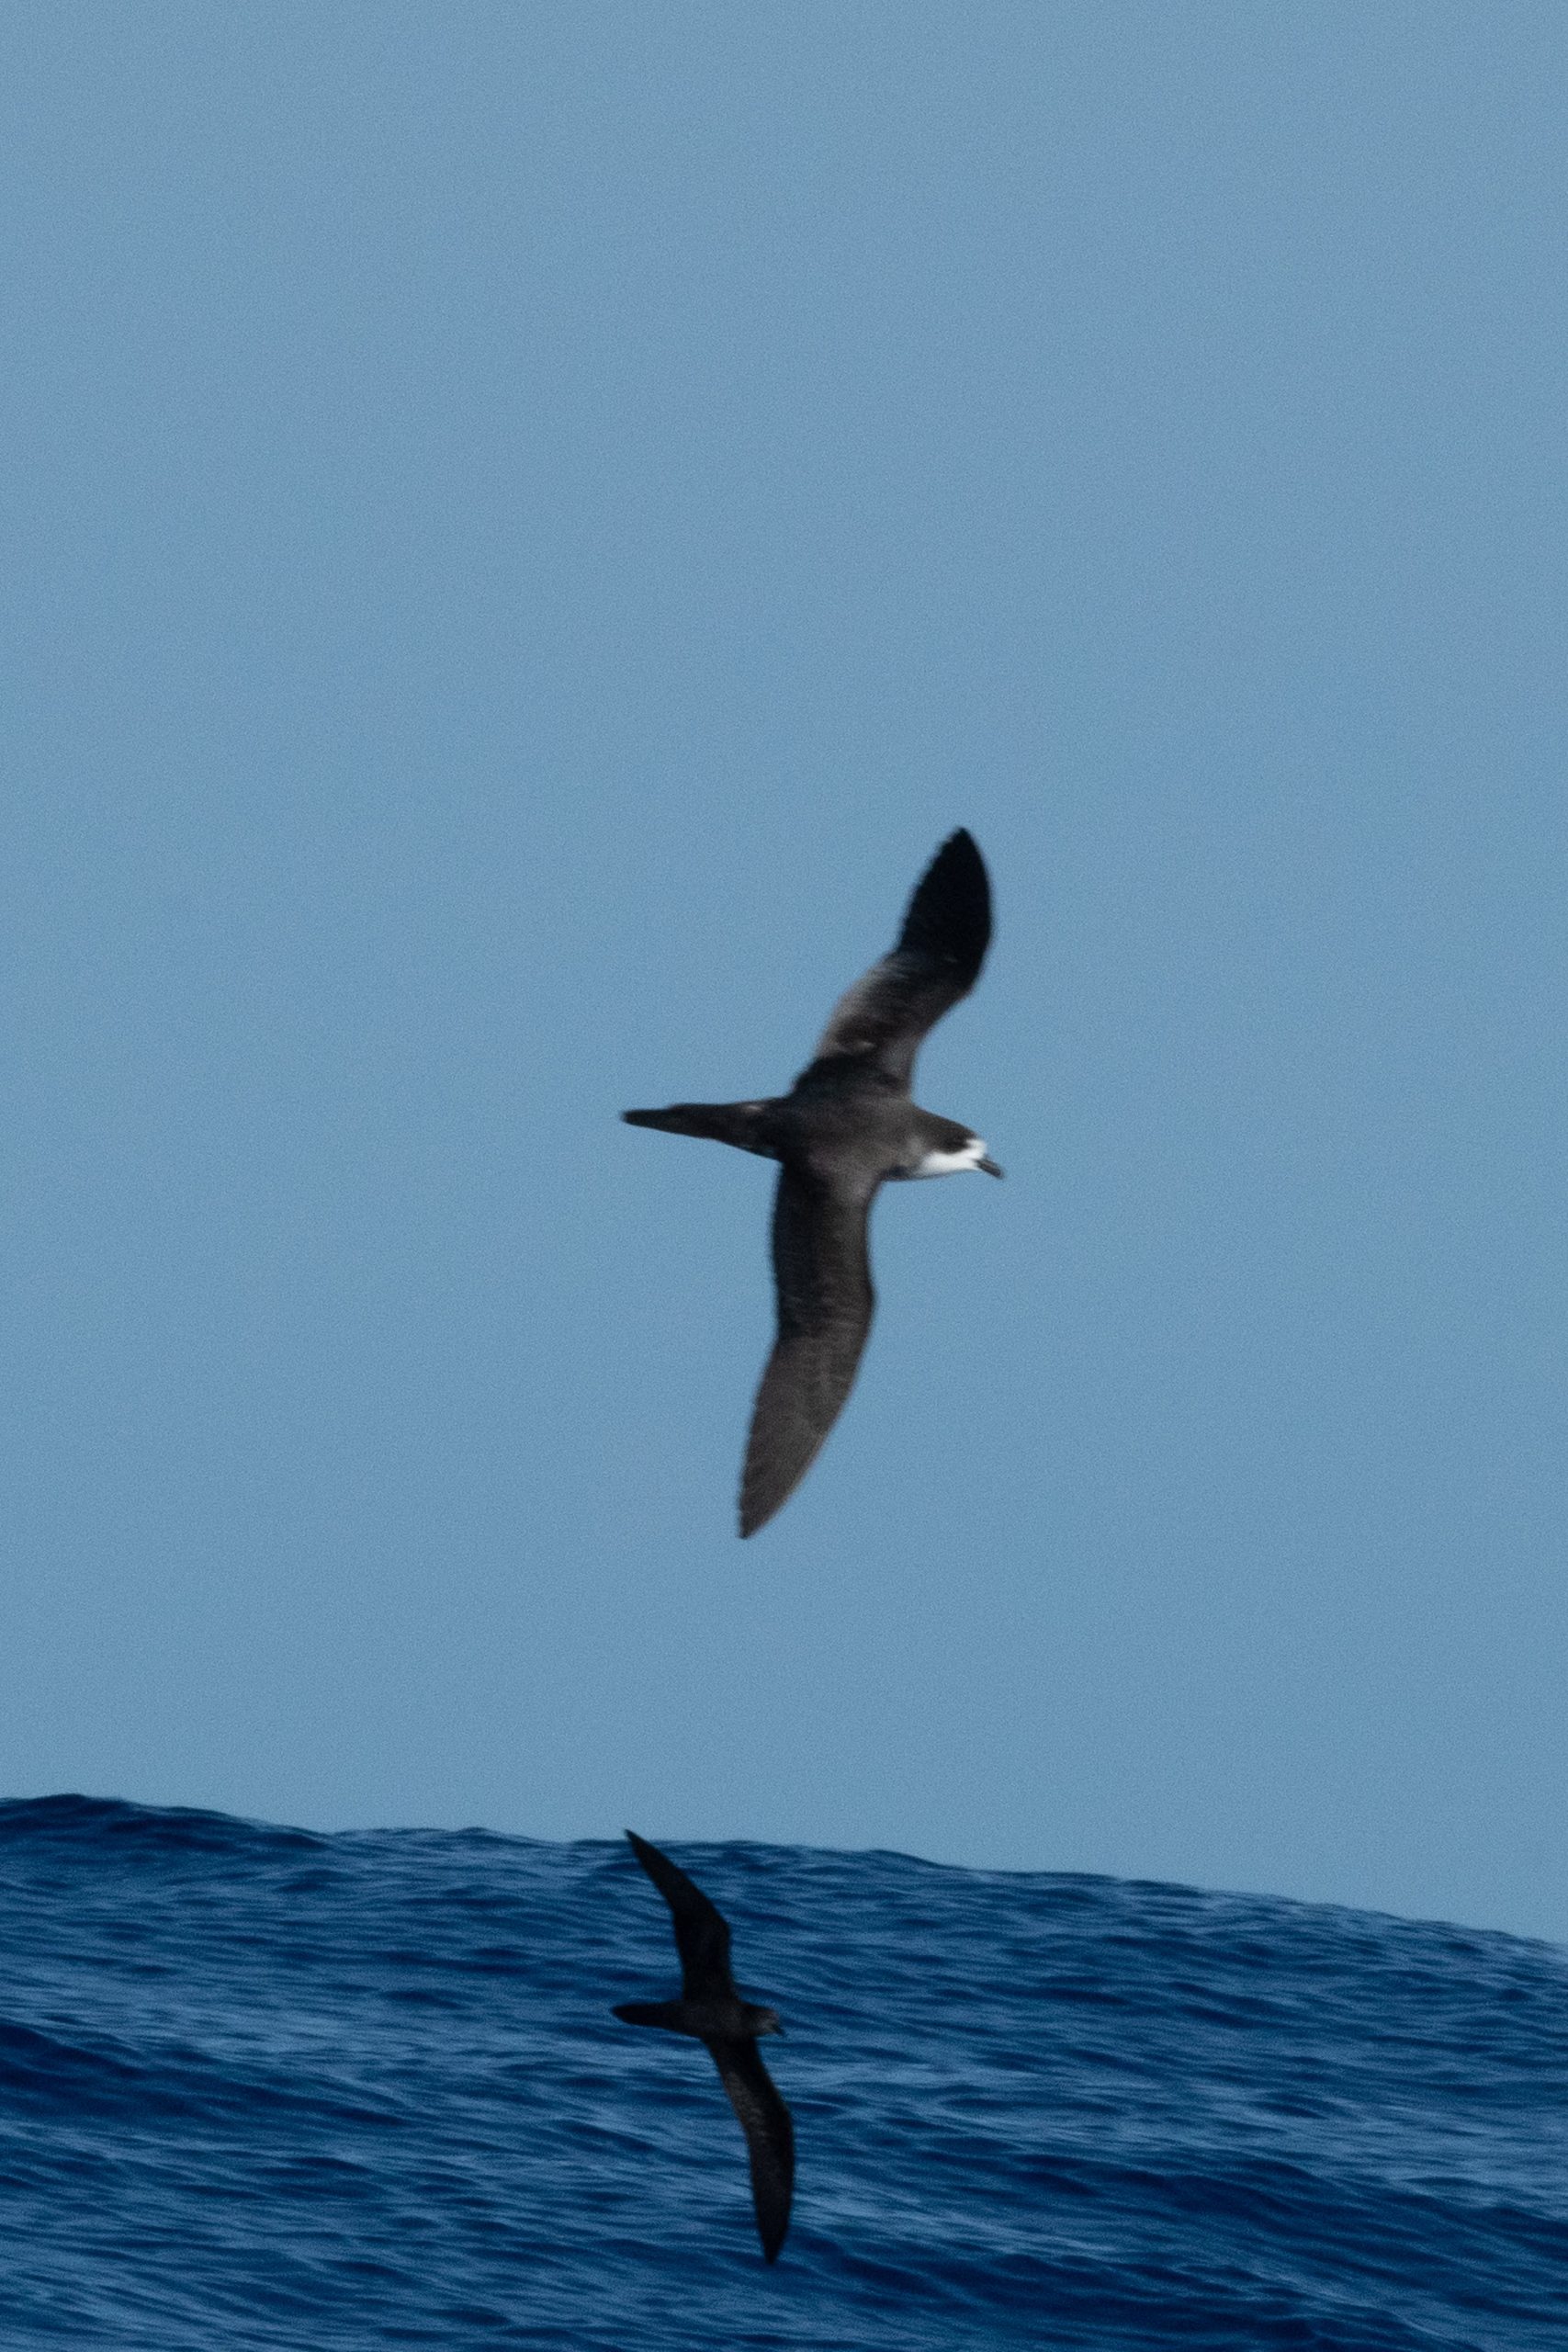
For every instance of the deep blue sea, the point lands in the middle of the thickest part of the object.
(264, 2087)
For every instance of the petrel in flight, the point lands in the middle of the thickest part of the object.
(712, 2012)
(846, 1127)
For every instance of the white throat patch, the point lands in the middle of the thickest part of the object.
(951, 1163)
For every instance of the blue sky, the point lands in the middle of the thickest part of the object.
(526, 526)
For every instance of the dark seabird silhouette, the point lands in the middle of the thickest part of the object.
(848, 1126)
(712, 2012)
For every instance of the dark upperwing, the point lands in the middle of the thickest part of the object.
(883, 1017)
(702, 1933)
(770, 2137)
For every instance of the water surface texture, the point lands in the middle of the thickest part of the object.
(264, 2087)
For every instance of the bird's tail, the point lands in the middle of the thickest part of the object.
(745, 1124)
(671, 2015)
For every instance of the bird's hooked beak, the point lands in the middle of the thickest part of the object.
(990, 1168)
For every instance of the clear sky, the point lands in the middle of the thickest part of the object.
(525, 527)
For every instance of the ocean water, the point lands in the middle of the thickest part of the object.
(264, 2087)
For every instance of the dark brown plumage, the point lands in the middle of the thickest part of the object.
(712, 2011)
(847, 1126)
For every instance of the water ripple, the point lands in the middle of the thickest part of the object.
(260, 2087)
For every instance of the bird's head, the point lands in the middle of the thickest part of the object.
(762, 2020)
(952, 1151)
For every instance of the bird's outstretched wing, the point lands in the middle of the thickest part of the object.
(822, 1271)
(770, 2137)
(936, 960)
(702, 1932)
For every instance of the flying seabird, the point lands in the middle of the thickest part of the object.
(848, 1126)
(712, 2012)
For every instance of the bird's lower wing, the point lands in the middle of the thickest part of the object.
(770, 2137)
(822, 1271)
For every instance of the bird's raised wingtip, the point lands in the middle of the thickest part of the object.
(948, 916)
(961, 847)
